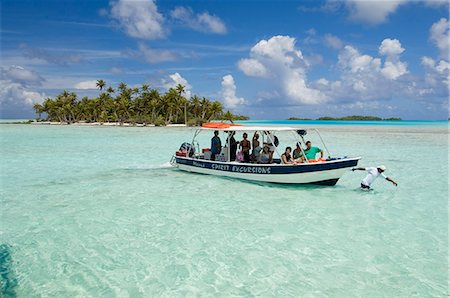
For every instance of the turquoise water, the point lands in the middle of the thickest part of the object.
(98, 212)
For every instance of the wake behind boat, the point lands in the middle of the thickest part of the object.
(226, 162)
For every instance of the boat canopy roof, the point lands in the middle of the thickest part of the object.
(222, 126)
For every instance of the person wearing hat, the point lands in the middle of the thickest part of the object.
(372, 174)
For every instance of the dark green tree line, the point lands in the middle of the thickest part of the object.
(133, 105)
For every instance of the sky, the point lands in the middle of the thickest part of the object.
(263, 59)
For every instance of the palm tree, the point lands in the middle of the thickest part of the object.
(122, 86)
(228, 116)
(39, 109)
(215, 109)
(110, 90)
(100, 84)
(181, 89)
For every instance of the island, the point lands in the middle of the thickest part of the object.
(138, 105)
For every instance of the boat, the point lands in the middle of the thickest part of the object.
(322, 171)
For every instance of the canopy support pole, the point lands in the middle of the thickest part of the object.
(329, 155)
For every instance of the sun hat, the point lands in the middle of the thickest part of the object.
(382, 167)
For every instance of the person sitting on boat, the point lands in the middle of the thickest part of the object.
(233, 145)
(264, 157)
(216, 145)
(311, 151)
(256, 147)
(272, 142)
(286, 157)
(372, 174)
(297, 155)
(244, 145)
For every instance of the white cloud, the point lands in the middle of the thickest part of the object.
(18, 74)
(252, 68)
(332, 41)
(440, 35)
(228, 92)
(437, 73)
(203, 22)
(139, 18)
(372, 12)
(279, 60)
(152, 55)
(174, 79)
(15, 96)
(391, 47)
(393, 67)
(365, 78)
(86, 85)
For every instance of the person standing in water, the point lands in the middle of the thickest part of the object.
(372, 174)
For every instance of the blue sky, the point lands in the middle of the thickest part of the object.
(265, 59)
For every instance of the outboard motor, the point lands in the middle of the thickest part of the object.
(188, 148)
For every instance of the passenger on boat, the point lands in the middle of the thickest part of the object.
(232, 145)
(298, 154)
(244, 145)
(256, 147)
(264, 157)
(271, 142)
(286, 157)
(311, 151)
(216, 145)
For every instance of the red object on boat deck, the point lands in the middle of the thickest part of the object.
(218, 125)
(205, 150)
(181, 153)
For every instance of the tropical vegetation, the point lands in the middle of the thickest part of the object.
(133, 105)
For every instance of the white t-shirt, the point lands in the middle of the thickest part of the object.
(371, 176)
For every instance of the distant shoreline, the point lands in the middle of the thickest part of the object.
(349, 118)
(126, 124)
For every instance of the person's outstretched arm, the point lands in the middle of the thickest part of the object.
(358, 169)
(392, 181)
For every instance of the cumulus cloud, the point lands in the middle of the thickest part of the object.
(18, 74)
(279, 60)
(371, 11)
(437, 71)
(230, 99)
(174, 79)
(391, 47)
(15, 89)
(86, 85)
(253, 68)
(440, 36)
(203, 22)
(139, 18)
(367, 78)
(152, 55)
(332, 41)
(17, 94)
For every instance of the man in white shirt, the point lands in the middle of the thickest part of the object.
(372, 174)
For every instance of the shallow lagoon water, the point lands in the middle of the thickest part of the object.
(98, 212)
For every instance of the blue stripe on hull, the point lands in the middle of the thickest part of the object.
(268, 169)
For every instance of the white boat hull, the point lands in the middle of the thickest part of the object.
(327, 173)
